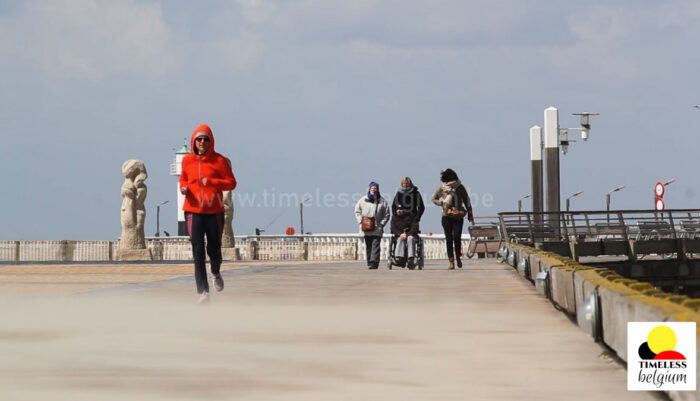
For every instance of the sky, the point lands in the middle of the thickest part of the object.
(320, 97)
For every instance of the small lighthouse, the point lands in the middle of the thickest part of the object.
(176, 170)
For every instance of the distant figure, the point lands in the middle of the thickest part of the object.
(406, 212)
(372, 214)
(133, 211)
(205, 175)
(451, 195)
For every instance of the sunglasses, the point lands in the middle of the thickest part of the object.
(202, 138)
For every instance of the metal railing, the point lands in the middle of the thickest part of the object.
(530, 227)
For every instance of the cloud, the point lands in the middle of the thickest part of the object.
(617, 41)
(87, 38)
(402, 23)
(241, 52)
(256, 10)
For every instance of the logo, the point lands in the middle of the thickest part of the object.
(661, 356)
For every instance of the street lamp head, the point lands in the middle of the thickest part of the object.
(163, 203)
(617, 189)
(526, 196)
(669, 182)
(576, 194)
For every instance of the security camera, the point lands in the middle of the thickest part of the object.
(584, 134)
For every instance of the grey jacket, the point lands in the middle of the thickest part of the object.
(365, 208)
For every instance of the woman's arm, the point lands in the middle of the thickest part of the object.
(394, 204)
(465, 198)
(358, 212)
(421, 206)
(385, 218)
(436, 197)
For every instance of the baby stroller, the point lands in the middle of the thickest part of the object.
(419, 259)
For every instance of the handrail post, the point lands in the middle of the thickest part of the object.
(573, 225)
(673, 226)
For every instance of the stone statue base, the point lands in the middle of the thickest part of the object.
(134, 254)
(230, 254)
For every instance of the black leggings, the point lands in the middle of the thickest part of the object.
(453, 235)
(199, 225)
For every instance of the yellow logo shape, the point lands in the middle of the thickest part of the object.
(660, 339)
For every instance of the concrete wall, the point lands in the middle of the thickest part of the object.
(621, 300)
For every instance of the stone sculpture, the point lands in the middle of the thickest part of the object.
(227, 240)
(132, 243)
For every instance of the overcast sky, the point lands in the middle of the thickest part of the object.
(324, 96)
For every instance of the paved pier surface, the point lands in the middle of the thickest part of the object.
(293, 331)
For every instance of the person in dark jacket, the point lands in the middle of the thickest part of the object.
(406, 212)
(454, 200)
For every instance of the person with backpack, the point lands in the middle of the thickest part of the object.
(452, 196)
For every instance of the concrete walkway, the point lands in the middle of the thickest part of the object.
(298, 331)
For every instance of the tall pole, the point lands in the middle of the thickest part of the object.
(536, 166)
(551, 153)
(607, 205)
(301, 216)
(158, 217)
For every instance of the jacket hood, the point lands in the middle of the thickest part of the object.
(202, 128)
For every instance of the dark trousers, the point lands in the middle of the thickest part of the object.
(453, 236)
(200, 225)
(373, 246)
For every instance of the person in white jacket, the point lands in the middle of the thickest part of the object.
(374, 207)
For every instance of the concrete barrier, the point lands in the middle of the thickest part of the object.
(621, 300)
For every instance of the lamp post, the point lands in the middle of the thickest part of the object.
(568, 200)
(301, 212)
(556, 137)
(607, 199)
(158, 217)
(520, 202)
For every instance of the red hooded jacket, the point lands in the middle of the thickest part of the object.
(217, 170)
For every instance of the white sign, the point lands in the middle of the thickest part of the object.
(659, 189)
(659, 204)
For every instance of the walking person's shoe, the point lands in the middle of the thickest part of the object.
(459, 262)
(411, 264)
(204, 297)
(373, 265)
(452, 264)
(218, 282)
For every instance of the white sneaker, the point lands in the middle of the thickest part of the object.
(204, 298)
(218, 282)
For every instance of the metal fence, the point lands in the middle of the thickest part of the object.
(600, 225)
